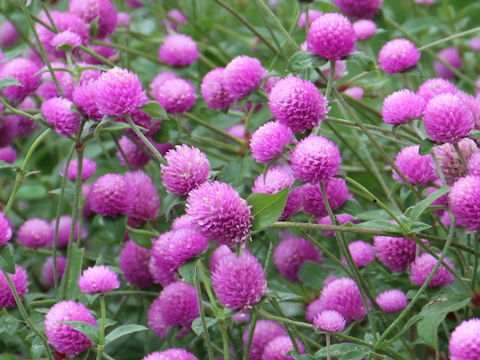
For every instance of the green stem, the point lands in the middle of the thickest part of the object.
(253, 323)
(203, 274)
(327, 336)
(331, 79)
(95, 55)
(147, 143)
(128, 50)
(448, 38)
(202, 313)
(475, 260)
(213, 128)
(223, 332)
(101, 339)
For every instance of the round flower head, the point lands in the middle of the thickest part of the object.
(59, 113)
(355, 92)
(359, 9)
(464, 201)
(157, 323)
(134, 154)
(145, 198)
(220, 213)
(448, 119)
(450, 162)
(89, 167)
(63, 337)
(34, 233)
(418, 169)
(24, 71)
(119, 92)
(269, 141)
(111, 195)
(98, 279)
(294, 203)
(315, 159)
(312, 16)
(160, 79)
(276, 179)
(402, 106)
(362, 253)
(20, 281)
(48, 88)
(394, 252)
(330, 321)
(171, 354)
(297, 103)
(341, 219)
(291, 253)
(423, 266)
(265, 331)
(178, 50)
(123, 19)
(178, 304)
(66, 40)
(84, 96)
(8, 130)
(278, 348)
(239, 282)
(398, 55)
(24, 125)
(101, 11)
(474, 164)
(433, 87)
(242, 75)
(6, 230)
(64, 226)
(177, 17)
(392, 301)
(8, 34)
(450, 56)
(187, 168)
(337, 194)
(331, 36)
(176, 96)
(182, 222)
(474, 104)
(213, 90)
(8, 154)
(133, 262)
(364, 29)
(475, 43)
(48, 271)
(464, 343)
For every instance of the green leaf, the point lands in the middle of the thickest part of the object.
(435, 312)
(414, 212)
(197, 325)
(75, 270)
(5, 165)
(302, 60)
(123, 330)
(7, 260)
(300, 356)
(426, 147)
(418, 226)
(187, 271)
(339, 350)
(382, 225)
(266, 209)
(9, 82)
(351, 207)
(144, 240)
(85, 328)
(115, 226)
(363, 60)
(155, 110)
(312, 274)
(475, 134)
(38, 348)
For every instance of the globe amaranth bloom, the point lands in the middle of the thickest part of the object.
(331, 36)
(178, 304)
(111, 195)
(24, 71)
(187, 167)
(84, 96)
(265, 331)
(359, 9)
(160, 79)
(66, 40)
(330, 321)
(398, 55)
(364, 29)
(275, 180)
(145, 198)
(182, 222)
(101, 11)
(362, 253)
(450, 161)
(59, 113)
(392, 301)
(290, 254)
(20, 281)
(423, 266)
(63, 337)
(433, 87)
(313, 202)
(402, 106)
(242, 75)
(355, 92)
(269, 140)
(6, 230)
(464, 201)
(89, 167)
(239, 281)
(315, 159)
(178, 50)
(448, 119)
(48, 270)
(312, 16)
(278, 348)
(175, 17)
(213, 90)
(341, 219)
(220, 213)
(98, 279)
(123, 19)
(48, 88)
(418, 169)
(451, 56)
(464, 343)
(474, 164)
(176, 96)
(64, 227)
(34, 233)
(171, 354)
(133, 262)
(8, 34)
(131, 153)
(8, 154)
(394, 252)
(297, 103)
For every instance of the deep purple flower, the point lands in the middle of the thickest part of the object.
(133, 262)
(394, 252)
(359, 9)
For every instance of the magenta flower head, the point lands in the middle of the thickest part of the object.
(48, 88)
(433, 87)
(359, 9)
(355, 92)
(119, 92)
(473, 164)
(145, 198)
(63, 337)
(418, 169)
(8, 34)
(84, 96)
(341, 219)
(64, 226)
(330, 321)
(66, 40)
(123, 19)
(34, 233)
(402, 106)
(48, 273)
(423, 266)
(59, 113)
(101, 11)
(394, 252)
(8, 154)
(178, 304)
(276, 179)
(362, 253)
(177, 17)
(450, 162)
(239, 282)
(107, 52)
(160, 79)
(315, 159)
(176, 96)
(133, 262)
(171, 354)
(187, 168)
(242, 75)
(134, 154)
(314, 308)
(278, 348)
(220, 213)
(269, 141)
(464, 201)
(331, 36)
(213, 90)
(265, 331)
(182, 222)
(98, 279)
(6, 230)
(291, 253)
(89, 167)
(450, 56)
(312, 16)
(392, 301)
(398, 55)
(464, 343)
(157, 323)
(364, 29)
(178, 50)
(337, 194)
(8, 130)
(297, 103)
(111, 195)
(448, 119)
(20, 281)
(24, 71)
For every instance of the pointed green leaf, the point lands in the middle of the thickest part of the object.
(313, 274)
(426, 147)
(155, 110)
(122, 331)
(144, 240)
(8, 81)
(302, 60)
(414, 212)
(382, 225)
(266, 209)
(339, 350)
(363, 60)
(85, 328)
(7, 261)
(115, 226)
(197, 325)
(72, 281)
(187, 271)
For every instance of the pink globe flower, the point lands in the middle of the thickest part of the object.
(64, 227)
(265, 331)
(171, 354)
(98, 279)
(178, 304)
(341, 219)
(269, 141)
(337, 194)
(464, 343)
(220, 213)
(398, 55)
(312, 16)
(59, 113)
(213, 90)
(6, 230)
(48, 273)
(160, 79)
(330, 321)
(475, 43)
(402, 106)
(448, 119)
(8, 130)
(297, 103)
(24, 125)
(433, 87)
(178, 50)
(8, 34)
(182, 222)
(176, 96)
(395, 253)
(331, 36)
(294, 203)
(464, 201)
(84, 96)
(314, 308)
(63, 337)
(275, 180)
(242, 75)
(156, 322)
(101, 11)
(89, 167)
(359, 9)
(48, 88)
(177, 17)
(110, 195)
(355, 92)
(392, 301)
(278, 348)
(66, 40)
(132, 154)
(34, 233)
(24, 71)
(20, 281)
(449, 161)
(133, 262)
(423, 266)
(418, 169)
(450, 56)
(362, 253)
(239, 282)
(123, 19)
(364, 29)
(474, 164)
(145, 198)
